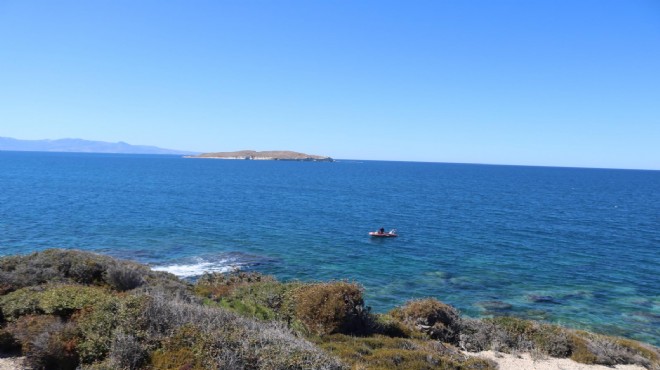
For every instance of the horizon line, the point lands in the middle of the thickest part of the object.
(357, 160)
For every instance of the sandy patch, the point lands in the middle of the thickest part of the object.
(526, 362)
(11, 363)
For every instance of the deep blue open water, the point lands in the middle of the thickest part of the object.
(577, 247)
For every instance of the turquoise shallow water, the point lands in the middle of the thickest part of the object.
(578, 247)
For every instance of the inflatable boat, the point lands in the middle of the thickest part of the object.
(382, 234)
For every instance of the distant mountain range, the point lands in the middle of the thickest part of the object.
(82, 146)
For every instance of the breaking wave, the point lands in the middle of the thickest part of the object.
(197, 266)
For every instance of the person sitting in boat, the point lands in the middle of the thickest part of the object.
(382, 230)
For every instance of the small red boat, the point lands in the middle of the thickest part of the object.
(382, 234)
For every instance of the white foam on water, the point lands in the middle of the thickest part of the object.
(199, 268)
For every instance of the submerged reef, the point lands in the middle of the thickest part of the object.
(66, 309)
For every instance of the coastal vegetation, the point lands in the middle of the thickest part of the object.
(65, 309)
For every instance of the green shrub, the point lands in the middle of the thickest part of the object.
(263, 299)
(326, 308)
(430, 316)
(66, 299)
(71, 266)
(248, 309)
(131, 317)
(61, 300)
(381, 352)
(107, 327)
(25, 301)
(180, 351)
(174, 359)
(225, 340)
(387, 325)
(268, 293)
(53, 265)
(216, 286)
(96, 328)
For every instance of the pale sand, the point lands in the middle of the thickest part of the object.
(11, 363)
(526, 362)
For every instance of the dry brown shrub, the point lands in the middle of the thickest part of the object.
(26, 328)
(46, 341)
(334, 307)
(645, 350)
(125, 276)
(475, 335)
(512, 335)
(209, 337)
(54, 348)
(381, 352)
(440, 321)
(127, 352)
(584, 350)
(5, 287)
(599, 349)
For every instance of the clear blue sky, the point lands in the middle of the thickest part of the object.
(554, 82)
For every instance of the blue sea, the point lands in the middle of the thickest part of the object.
(576, 247)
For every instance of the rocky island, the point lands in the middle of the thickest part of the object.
(270, 155)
